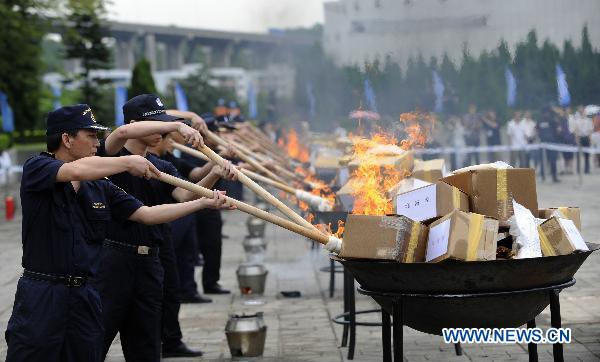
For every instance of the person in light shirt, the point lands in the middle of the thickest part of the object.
(582, 127)
(517, 136)
(530, 133)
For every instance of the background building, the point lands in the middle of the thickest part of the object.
(356, 31)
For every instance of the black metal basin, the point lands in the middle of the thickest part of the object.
(490, 294)
(465, 277)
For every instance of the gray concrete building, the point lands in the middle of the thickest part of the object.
(356, 31)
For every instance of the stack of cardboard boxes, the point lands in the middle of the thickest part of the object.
(463, 216)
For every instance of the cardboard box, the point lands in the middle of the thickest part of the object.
(324, 161)
(560, 236)
(430, 201)
(384, 237)
(403, 161)
(568, 212)
(345, 196)
(407, 184)
(462, 236)
(430, 171)
(491, 190)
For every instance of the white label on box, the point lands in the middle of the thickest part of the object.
(419, 204)
(437, 244)
(573, 234)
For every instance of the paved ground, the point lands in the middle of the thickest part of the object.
(300, 329)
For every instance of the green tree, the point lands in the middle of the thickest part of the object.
(202, 97)
(142, 81)
(589, 71)
(21, 32)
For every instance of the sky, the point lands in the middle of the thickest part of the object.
(231, 15)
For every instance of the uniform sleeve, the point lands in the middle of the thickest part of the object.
(122, 204)
(39, 173)
(183, 166)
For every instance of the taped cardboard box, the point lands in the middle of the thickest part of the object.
(385, 238)
(568, 212)
(491, 190)
(560, 236)
(430, 201)
(430, 171)
(462, 236)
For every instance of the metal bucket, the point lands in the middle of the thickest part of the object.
(254, 244)
(252, 278)
(246, 335)
(256, 226)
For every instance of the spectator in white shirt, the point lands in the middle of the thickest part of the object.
(530, 133)
(517, 136)
(582, 127)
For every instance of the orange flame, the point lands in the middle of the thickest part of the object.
(293, 146)
(327, 229)
(374, 176)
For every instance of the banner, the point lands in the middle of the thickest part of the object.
(56, 93)
(8, 119)
(564, 98)
(438, 89)
(252, 106)
(180, 98)
(511, 88)
(370, 96)
(311, 101)
(120, 99)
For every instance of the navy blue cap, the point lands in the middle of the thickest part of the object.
(146, 106)
(71, 118)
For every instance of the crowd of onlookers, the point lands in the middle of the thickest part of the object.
(552, 124)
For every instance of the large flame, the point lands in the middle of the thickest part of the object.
(373, 177)
(293, 146)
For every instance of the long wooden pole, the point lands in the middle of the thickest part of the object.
(244, 155)
(331, 242)
(259, 190)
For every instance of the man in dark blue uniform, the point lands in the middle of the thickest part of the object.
(57, 313)
(136, 307)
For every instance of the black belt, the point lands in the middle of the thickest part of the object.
(135, 249)
(68, 280)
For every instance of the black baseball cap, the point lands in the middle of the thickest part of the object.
(70, 118)
(146, 106)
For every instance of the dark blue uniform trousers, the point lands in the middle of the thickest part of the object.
(53, 322)
(170, 331)
(185, 242)
(131, 287)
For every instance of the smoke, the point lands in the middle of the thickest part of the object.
(228, 15)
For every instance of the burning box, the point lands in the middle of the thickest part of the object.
(345, 196)
(560, 236)
(462, 236)
(324, 161)
(401, 161)
(384, 237)
(430, 171)
(430, 201)
(571, 213)
(492, 190)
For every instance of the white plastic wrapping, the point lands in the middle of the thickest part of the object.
(334, 244)
(523, 229)
(498, 165)
(316, 202)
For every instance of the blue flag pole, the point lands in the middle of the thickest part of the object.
(252, 106)
(564, 98)
(180, 98)
(8, 119)
(370, 96)
(511, 88)
(57, 93)
(120, 99)
(438, 89)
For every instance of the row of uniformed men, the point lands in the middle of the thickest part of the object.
(98, 254)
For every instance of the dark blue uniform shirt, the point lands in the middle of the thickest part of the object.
(63, 229)
(150, 192)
